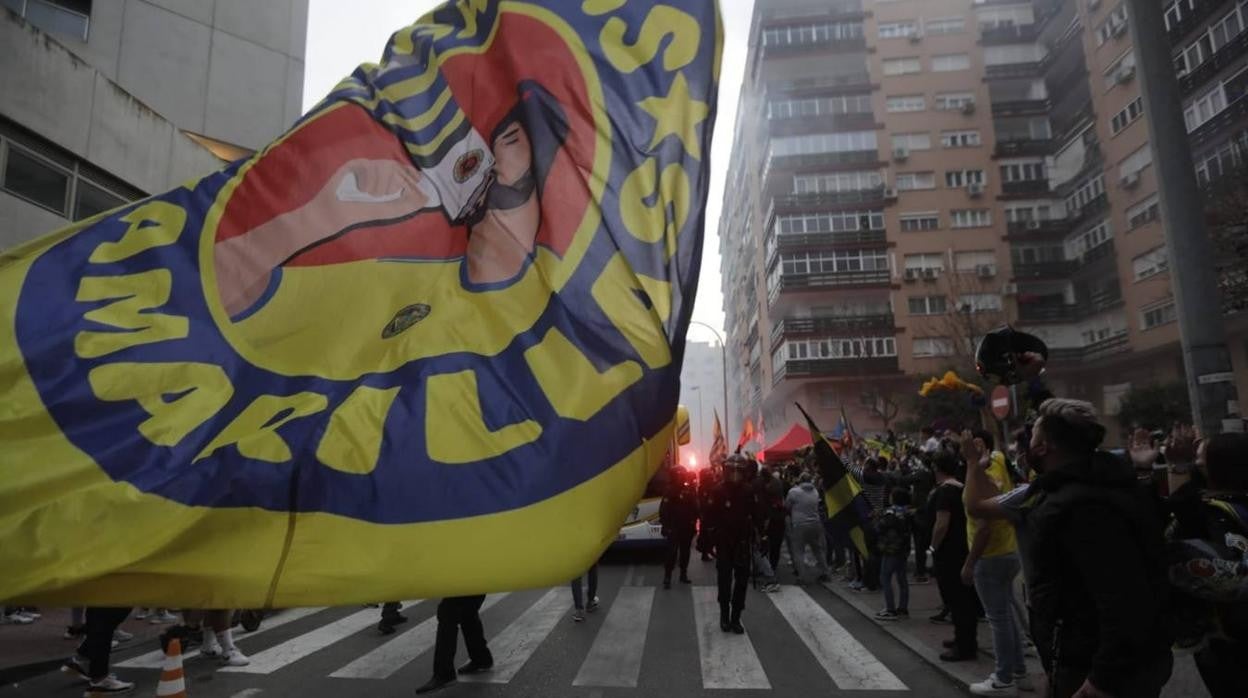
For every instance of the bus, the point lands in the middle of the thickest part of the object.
(642, 528)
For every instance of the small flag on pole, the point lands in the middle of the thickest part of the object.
(747, 433)
(719, 447)
(847, 505)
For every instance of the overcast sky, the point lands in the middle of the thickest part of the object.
(341, 35)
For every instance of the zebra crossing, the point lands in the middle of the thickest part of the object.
(616, 656)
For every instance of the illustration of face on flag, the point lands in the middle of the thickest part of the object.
(366, 363)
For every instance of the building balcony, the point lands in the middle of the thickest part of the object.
(1047, 312)
(1222, 58)
(854, 45)
(1014, 70)
(1091, 258)
(1034, 271)
(846, 160)
(823, 201)
(1031, 230)
(1193, 18)
(823, 84)
(799, 283)
(1022, 147)
(820, 123)
(1026, 187)
(1009, 34)
(1090, 210)
(855, 324)
(1110, 346)
(853, 239)
(837, 368)
(1236, 113)
(1020, 107)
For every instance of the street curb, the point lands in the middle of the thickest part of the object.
(958, 672)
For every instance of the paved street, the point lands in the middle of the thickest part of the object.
(644, 641)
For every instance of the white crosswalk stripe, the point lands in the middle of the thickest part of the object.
(728, 661)
(293, 650)
(518, 641)
(846, 660)
(615, 657)
(156, 659)
(395, 654)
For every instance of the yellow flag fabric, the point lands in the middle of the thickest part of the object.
(427, 343)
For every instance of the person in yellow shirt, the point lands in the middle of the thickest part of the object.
(992, 566)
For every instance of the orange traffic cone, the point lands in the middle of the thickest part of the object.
(172, 683)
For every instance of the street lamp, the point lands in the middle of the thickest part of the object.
(723, 360)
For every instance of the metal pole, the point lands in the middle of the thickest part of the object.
(723, 364)
(1206, 360)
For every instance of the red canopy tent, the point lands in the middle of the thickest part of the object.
(786, 448)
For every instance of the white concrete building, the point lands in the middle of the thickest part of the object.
(104, 101)
(702, 392)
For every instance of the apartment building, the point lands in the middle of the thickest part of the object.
(907, 174)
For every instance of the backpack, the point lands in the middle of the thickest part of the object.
(1208, 578)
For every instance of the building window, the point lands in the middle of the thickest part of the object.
(1119, 71)
(912, 141)
(810, 34)
(1115, 24)
(1133, 163)
(960, 139)
(1127, 116)
(819, 106)
(1079, 245)
(1224, 30)
(65, 17)
(838, 222)
(1013, 54)
(910, 181)
(953, 101)
(837, 182)
(1143, 213)
(37, 180)
(916, 222)
(905, 103)
(1176, 11)
(1021, 213)
(927, 305)
(1218, 163)
(38, 172)
(1084, 194)
(956, 179)
(834, 348)
(971, 262)
(898, 30)
(1023, 171)
(945, 25)
(1204, 107)
(932, 346)
(950, 62)
(1158, 315)
(971, 217)
(816, 143)
(902, 66)
(978, 302)
(1150, 263)
(928, 260)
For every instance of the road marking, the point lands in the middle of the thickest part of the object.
(156, 659)
(517, 643)
(247, 693)
(628, 576)
(851, 666)
(728, 660)
(615, 657)
(395, 654)
(292, 650)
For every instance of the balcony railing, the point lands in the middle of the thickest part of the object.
(1222, 58)
(1090, 210)
(1020, 147)
(1055, 269)
(814, 282)
(1019, 107)
(1009, 34)
(824, 200)
(1104, 250)
(1091, 352)
(850, 45)
(1030, 229)
(858, 367)
(1047, 312)
(1235, 113)
(821, 123)
(822, 82)
(794, 326)
(852, 157)
(853, 238)
(1038, 187)
(1192, 19)
(1015, 70)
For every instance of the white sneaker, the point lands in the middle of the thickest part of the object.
(33, 615)
(1023, 682)
(235, 657)
(74, 667)
(992, 687)
(122, 636)
(212, 651)
(16, 619)
(141, 614)
(162, 618)
(108, 686)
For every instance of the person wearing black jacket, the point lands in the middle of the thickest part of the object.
(1095, 568)
(678, 514)
(731, 518)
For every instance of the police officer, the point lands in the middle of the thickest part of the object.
(707, 482)
(679, 516)
(733, 518)
(456, 614)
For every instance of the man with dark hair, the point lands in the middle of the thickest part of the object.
(1095, 565)
(949, 551)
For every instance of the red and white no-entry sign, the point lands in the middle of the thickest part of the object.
(1001, 402)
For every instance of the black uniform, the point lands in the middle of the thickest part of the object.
(455, 614)
(679, 516)
(707, 483)
(732, 517)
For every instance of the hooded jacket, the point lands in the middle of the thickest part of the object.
(1098, 590)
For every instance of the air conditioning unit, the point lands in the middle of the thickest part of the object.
(900, 154)
(930, 273)
(916, 37)
(1118, 28)
(1124, 74)
(985, 271)
(1130, 180)
(890, 192)
(968, 107)
(1033, 225)
(1010, 289)
(911, 275)
(975, 189)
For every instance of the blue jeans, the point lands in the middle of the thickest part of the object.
(994, 580)
(593, 587)
(894, 566)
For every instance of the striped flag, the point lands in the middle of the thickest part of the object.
(848, 508)
(719, 447)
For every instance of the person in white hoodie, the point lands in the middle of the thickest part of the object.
(802, 505)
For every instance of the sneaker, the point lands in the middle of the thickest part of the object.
(903, 613)
(141, 614)
(922, 579)
(212, 651)
(886, 615)
(1023, 682)
(31, 614)
(992, 687)
(592, 606)
(16, 619)
(578, 616)
(107, 686)
(75, 632)
(122, 636)
(941, 618)
(857, 585)
(771, 588)
(75, 668)
(234, 657)
(162, 618)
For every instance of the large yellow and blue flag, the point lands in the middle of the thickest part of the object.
(426, 343)
(848, 508)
